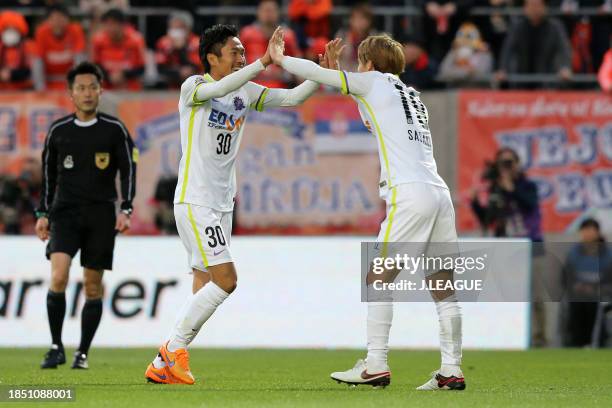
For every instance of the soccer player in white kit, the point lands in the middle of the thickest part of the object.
(419, 205)
(213, 108)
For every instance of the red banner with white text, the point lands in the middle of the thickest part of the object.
(564, 141)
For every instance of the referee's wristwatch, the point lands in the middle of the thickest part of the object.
(127, 211)
(41, 214)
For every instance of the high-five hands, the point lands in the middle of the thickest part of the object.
(276, 49)
(276, 46)
(333, 50)
(266, 59)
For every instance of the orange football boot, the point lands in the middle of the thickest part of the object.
(177, 364)
(158, 375)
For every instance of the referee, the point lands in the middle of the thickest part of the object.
(82, 154)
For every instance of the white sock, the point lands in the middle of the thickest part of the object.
(380, 316)
(201, 306)
(449, 316)
(158, 362)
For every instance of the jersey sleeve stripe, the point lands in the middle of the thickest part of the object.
(259, 106)
(127, 151)
(207, 79)
(46, 198)
(380, 137)
(344, 79)
(188, 153)
(197, 235)
(195, 93)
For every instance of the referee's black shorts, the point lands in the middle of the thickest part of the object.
(90, 228)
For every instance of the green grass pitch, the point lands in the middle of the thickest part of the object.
(300, 378)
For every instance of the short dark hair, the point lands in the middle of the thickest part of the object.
(58, 8)
(413, 39)
(83, 68)
(213, 39)
(114, 14)
(363, 7)
(510, 150)
(265, 1)
(589, 223)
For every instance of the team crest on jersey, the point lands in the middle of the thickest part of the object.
(68, 162)
(102, 160)
(238, 103)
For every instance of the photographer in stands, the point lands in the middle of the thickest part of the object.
(512, 208)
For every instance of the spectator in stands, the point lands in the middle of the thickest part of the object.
(512, 209)
(585, 266)
(536, 44)
(18, 196)
(97, 8)
(361, 25)
(177, 53)
(442, 19)
(605, 71)
(119, 50)
(512, 206)
(593, 31)
(421, 70)
(315, 48)
(255, 39)
(581, 39)
(310, 19)
(494, 27)
(16, 52)
(60, 45)
(164, 204)
(33, 3)
(469, 61)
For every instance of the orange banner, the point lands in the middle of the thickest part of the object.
(286, 184)
(564, 140)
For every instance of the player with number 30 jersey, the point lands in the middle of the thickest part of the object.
(213, 109)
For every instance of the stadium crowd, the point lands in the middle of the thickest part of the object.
(445, 43)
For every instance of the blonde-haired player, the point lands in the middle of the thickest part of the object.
(419, 206)
(213, 108)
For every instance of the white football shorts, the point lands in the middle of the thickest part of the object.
(419, 214)
(205, 233)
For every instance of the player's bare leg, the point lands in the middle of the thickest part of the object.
(449, 376)
(210, 288)
(56, 308)
(90, 315)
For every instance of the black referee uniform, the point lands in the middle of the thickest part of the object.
(80, 164)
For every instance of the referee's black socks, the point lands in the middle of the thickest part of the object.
(90, 319)
(56, 310)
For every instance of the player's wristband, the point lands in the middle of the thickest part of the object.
(41, 214)
(127, 211)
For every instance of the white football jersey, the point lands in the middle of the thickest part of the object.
(398, 119)
(211, 132)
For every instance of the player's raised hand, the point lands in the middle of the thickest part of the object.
(333, 50)
(323, 61)
(276, 46)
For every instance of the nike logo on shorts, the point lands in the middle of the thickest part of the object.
(215, 253)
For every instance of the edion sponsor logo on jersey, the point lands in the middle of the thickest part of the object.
(221, 120)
